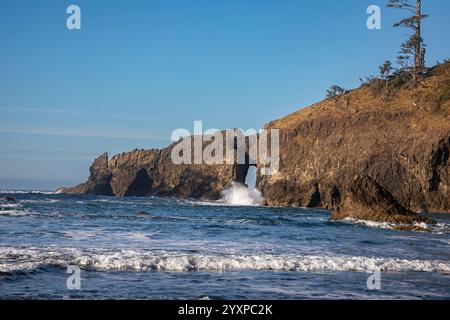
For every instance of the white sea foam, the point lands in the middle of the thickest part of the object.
(25, 192)
(369, 223)
(13, 213)
(102, 234)
(19, 259)
(9, 205)
(439, 228)
(12, 209)
(41, 201)
(239, 195)
(81, 234)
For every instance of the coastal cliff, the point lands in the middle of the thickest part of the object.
(400, 141)
(362, 154)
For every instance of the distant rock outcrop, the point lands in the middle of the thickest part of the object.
(152, 173)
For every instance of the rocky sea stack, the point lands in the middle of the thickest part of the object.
(364, 199)
(152, 173)
(364, 154)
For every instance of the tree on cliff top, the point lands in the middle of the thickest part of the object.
(412, 52)
(335, 91)
(386, 70)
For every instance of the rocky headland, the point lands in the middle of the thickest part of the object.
(153, 173)
(362, 154)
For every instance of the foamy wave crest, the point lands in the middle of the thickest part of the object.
(22, 259)
(439, 228)
(25, 192)
(13, 213)
(239, 195)
(7, 206)
(43, 201)
(11, 209)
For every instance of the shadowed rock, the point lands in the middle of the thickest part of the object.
(364, 199)
(99, 181)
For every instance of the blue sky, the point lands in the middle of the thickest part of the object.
(139, 69)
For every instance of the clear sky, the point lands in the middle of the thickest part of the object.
(139, 69)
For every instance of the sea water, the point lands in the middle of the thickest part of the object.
(161, 248)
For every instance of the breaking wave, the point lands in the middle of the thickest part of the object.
(439, 228)
(25, 192)
(7, 206)
(15, 259)
(11, 209)
(239, 195)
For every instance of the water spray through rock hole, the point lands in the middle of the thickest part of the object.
(239, 194)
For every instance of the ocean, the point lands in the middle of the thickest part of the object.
(162, 248)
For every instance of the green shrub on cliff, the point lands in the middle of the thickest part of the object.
(335, 91)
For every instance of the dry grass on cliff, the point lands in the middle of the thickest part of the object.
(429, 101)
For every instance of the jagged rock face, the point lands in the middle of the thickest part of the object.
(130, 173)
(412, 166)
(402, 143)
(99, 181)
(152, 172)
(192, 180)
(364, 199)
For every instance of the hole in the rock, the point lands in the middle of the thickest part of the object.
(250, 179)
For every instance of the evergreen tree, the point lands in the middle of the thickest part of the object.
(412, 51)
(335, 91)
(385, 73)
